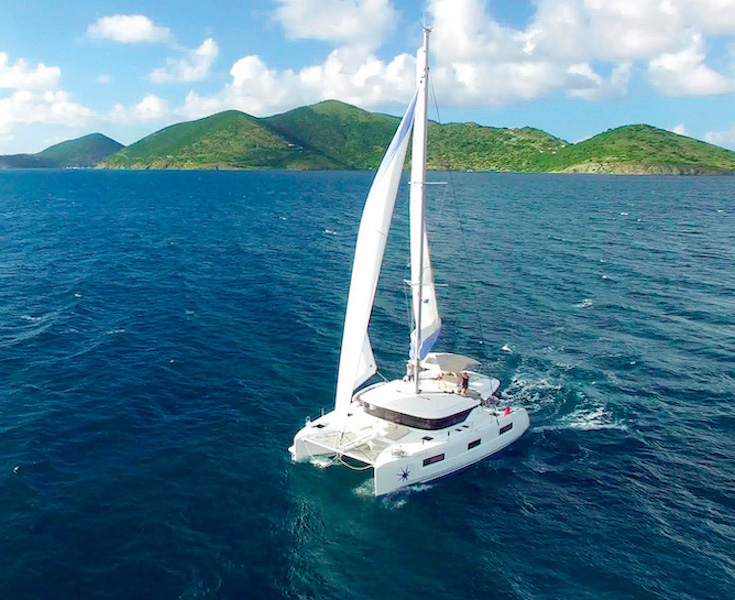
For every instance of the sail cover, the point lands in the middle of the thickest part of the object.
(356, 362)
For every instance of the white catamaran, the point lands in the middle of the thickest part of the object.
(442, 416)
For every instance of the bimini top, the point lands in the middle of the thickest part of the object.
(451, 363)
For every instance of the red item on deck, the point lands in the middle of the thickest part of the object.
(507, 410)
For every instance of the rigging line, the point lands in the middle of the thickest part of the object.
(463, 235)
(353, 467)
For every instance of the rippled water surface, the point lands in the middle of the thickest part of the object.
(164, 335)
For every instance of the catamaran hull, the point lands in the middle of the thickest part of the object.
(392, 474)
(400, 465)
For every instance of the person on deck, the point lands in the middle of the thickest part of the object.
(464, 382)
(410, 368)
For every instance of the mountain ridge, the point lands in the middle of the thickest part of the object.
(334, 135)
(86, 151)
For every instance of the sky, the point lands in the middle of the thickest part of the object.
(573, 68)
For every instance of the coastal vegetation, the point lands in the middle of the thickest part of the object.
(335, 135)
(639, 149)
(86, 151)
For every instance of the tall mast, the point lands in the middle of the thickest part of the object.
(418, 190)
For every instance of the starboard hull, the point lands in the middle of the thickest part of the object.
(395, 474)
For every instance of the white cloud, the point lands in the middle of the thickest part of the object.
(129, 29)
(684, 73)
(680, 129)
(25, 107)
(711, 16)
(35, 97)
(192, 67)
(588, 49)
(363, 22)
(104, 79)
(597, 87)
(350, 74)
(568, 41)
(725, 137)
(21, 75)
(482, 62)
(150, 108)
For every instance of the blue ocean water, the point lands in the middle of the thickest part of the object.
(164, 334)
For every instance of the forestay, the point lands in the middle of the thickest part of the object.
(356, 363)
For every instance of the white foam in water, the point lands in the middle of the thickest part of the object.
(594, 418)
(30, 318)
(365, 489)
(586, 303)
(540, 384)
(321, 462)
(391, 501)
(330, 232)
(533, 393)
(507, 349)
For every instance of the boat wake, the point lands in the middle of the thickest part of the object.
(392, 501)
(559, 407)
(321, 462)
(532, 392)
(594, 418)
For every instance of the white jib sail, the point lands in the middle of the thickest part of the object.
(356, 362)
(425, 308)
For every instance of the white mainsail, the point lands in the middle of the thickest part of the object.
(425, 308)
(356, 363)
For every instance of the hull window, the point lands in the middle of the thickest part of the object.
(433, 459)
(505, 428)
(474, 444)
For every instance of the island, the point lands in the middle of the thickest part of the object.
(336, 135)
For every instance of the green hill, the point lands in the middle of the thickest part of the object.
(468, 146)
(335, 135)
(639, 149)
(358, 138)
(350, 136)
(85, 151)
(226, 140)
(25, 161)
